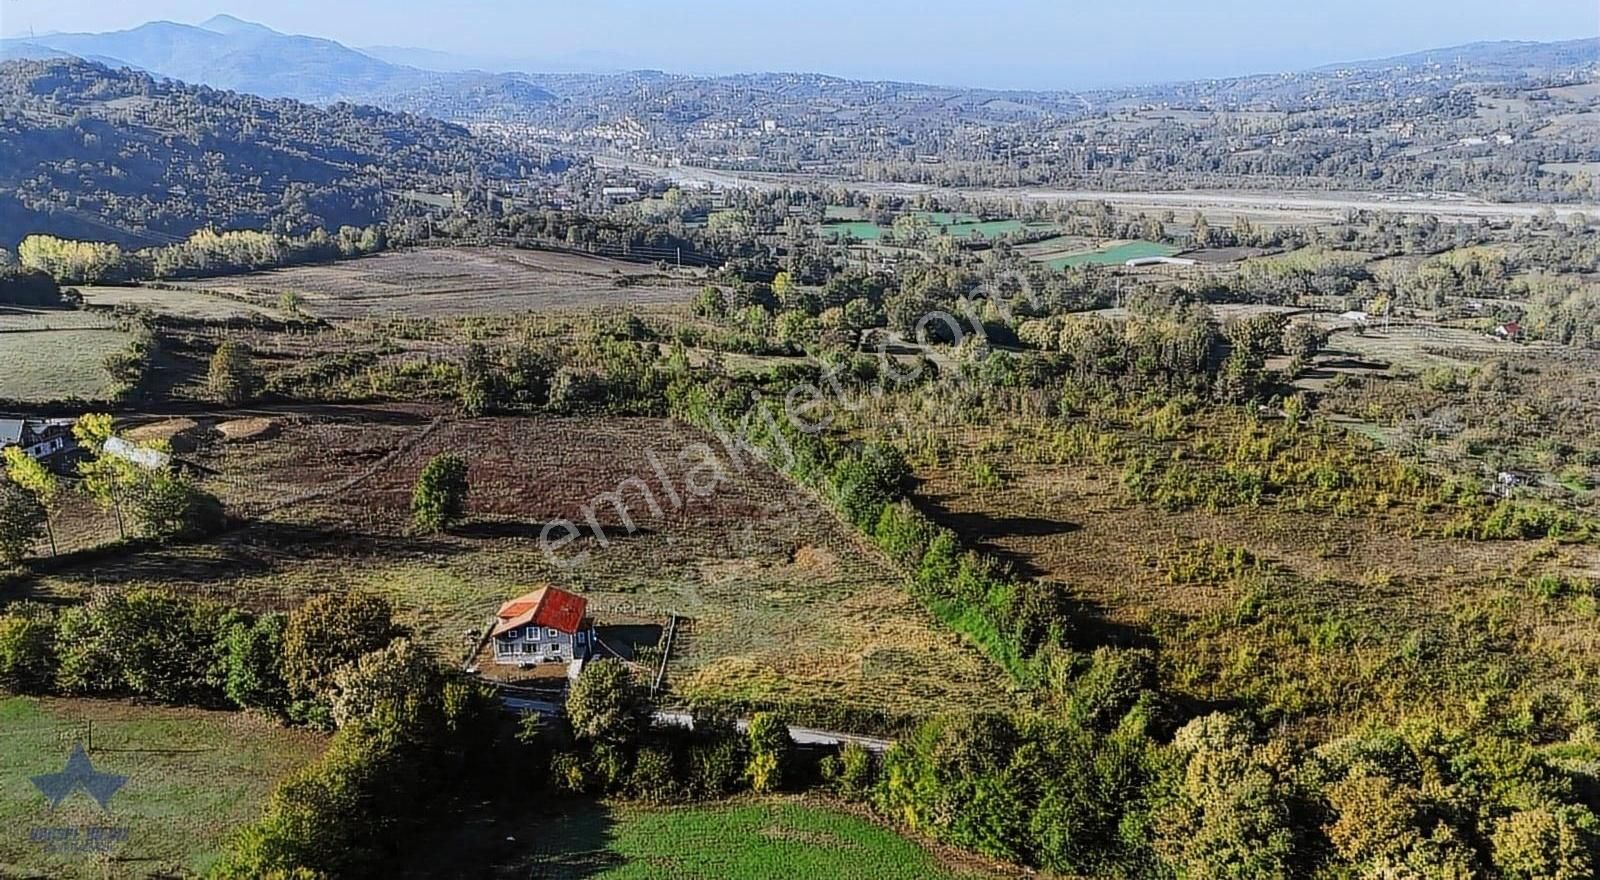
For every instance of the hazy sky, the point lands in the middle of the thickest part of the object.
(1020, 43)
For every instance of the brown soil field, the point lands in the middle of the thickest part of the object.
(785, 604)
(453, 282)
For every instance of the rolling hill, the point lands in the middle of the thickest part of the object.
(118, 155)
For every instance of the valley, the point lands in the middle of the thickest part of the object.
(418, 462)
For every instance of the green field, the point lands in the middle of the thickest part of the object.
(1114, 255)
(51, 355)
(192, 777)
(944, 222)
(189, 304)
(751, 841)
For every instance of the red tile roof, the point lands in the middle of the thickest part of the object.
(546, 606)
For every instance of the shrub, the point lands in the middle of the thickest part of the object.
(608, 766)
(22, 523)
(653, 779)
(716, 759)
(86, 657)
(347, 814)
(858, 771)
(398, 684)
(567, 773)
(770, 750)
(147, 643)
(253, 678)
(441, 493)
(607, 704)
(27, 650)
(168, 647)
(1230, 814)
(1547, 843)
(329, 631)
(166, 506)
(231, 378)
(1112, 686)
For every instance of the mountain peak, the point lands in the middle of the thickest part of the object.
(227, 24)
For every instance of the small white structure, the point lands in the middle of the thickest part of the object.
(143, 456)
(1359, 319)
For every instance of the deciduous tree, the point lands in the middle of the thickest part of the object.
(607, 704)
(231, 378)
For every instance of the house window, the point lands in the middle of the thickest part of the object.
(530, 649)
(553, 634)
(533, 634)
(580, 638)
(501, 648)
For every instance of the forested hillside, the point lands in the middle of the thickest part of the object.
(116, 155)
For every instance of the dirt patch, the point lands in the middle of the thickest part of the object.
(815, 561)
(184, 435)
(248, 430)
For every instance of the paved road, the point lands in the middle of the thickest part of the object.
(1298, 204)
(801, 735)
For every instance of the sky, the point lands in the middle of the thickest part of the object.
(1012, 44)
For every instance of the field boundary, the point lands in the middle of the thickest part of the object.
(666, 653)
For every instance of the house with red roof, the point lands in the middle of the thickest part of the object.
(548, 625)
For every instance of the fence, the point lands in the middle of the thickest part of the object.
(666, 654)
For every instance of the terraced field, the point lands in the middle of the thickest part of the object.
(436, 282)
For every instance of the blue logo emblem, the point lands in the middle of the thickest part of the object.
(79, 774)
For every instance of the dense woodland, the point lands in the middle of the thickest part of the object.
(123, 157)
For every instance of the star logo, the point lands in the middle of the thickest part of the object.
(79, 773)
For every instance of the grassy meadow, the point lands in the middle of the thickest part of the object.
(755, 840)
(192, 777)
(55, 354)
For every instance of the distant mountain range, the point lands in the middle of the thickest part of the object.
(1500, 57)
(229, 53)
